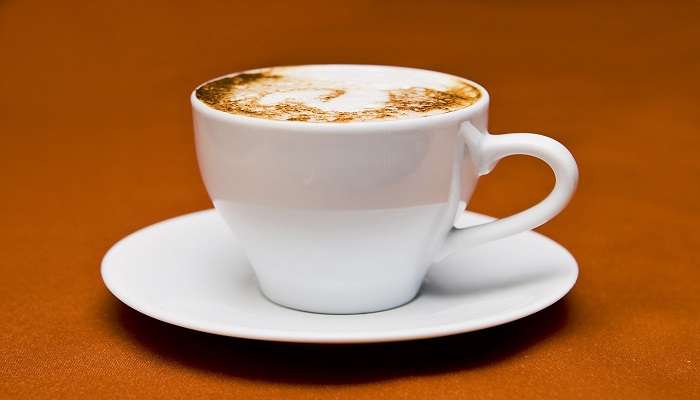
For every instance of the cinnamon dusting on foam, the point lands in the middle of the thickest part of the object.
(242, 94)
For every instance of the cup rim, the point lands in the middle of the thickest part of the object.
(459, 114)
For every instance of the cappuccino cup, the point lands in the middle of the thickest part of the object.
(345, 183)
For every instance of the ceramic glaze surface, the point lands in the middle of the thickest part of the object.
(348, 218)
(190, 272)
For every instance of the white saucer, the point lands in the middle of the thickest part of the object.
(189, 271)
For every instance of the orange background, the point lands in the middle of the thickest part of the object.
(97, 142)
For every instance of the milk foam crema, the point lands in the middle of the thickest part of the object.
(338, 93)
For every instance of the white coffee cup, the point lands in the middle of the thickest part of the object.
(348, 217)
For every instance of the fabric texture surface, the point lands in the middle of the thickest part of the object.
(97, 142)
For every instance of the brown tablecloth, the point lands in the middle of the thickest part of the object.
(97, 142)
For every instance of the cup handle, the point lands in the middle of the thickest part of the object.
(486, 150)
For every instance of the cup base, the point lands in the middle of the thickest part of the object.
(337, 307)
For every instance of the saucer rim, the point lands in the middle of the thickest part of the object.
(277, 335)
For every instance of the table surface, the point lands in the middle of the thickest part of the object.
(97, 142)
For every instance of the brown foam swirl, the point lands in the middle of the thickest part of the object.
(241, 94)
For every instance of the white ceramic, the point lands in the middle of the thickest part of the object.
(348, 217)
(188, 271)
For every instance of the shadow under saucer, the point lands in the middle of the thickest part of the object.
(332, 363)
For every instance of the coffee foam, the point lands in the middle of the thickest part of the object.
(338, 93)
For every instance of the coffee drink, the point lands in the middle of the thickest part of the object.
(338, 93)
(344, 213)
